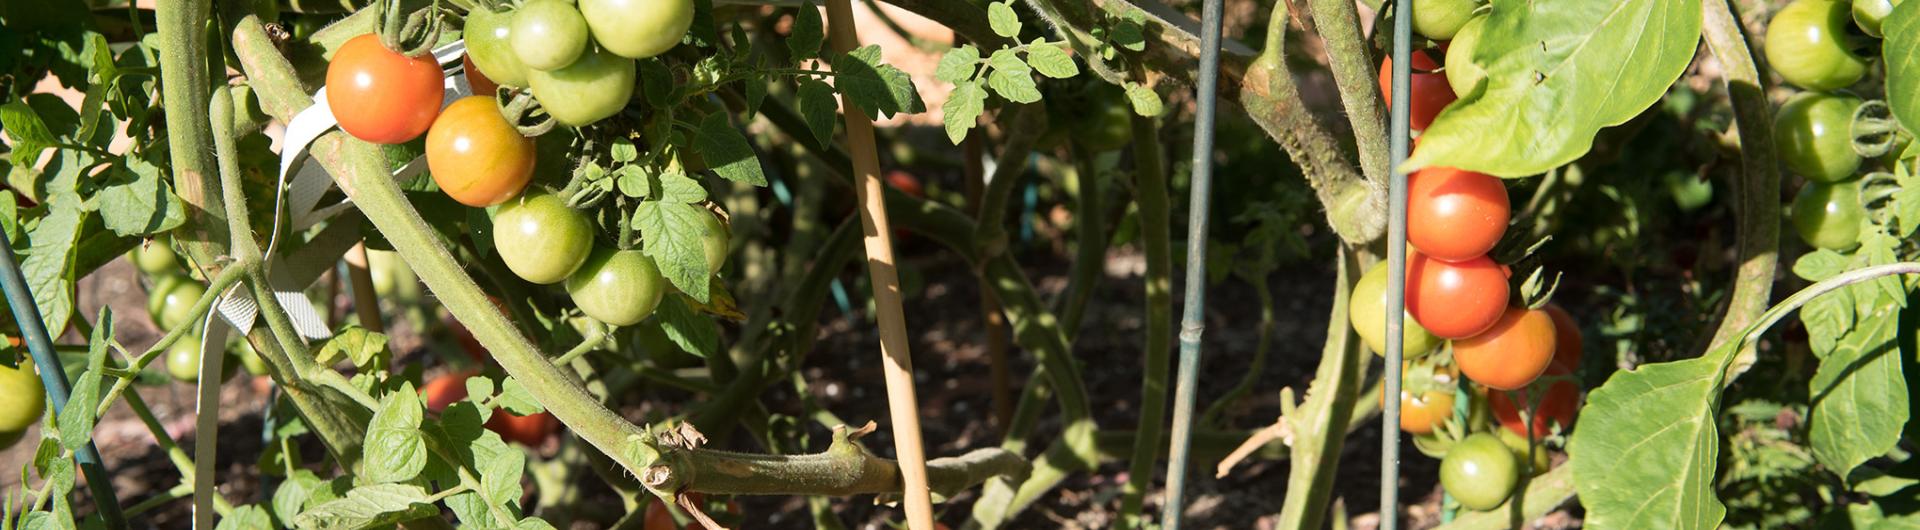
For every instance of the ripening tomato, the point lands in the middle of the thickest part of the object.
(541, 238)
(1367, 310)
(529, 430)
(1479, 472)
(1829, 215)
(715, 242)
(1421, 414)
(156, 256)
(1557, 406)
(1511, 354)
(1455, 215)
(441, 392)
(1455, 300)
(1814, 134)
(1462, 73)
(1807, 43)
(475, 156)
(490, 48)
(548, 34)
(906, 183)
(381, 96)
(1430, 93)
(638, 29)
(477, 80)
(1567, 347)
(171, 301)
(22, 398)
(618, 287)
(591, 89)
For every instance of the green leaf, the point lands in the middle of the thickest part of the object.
(532, 523)
(1878, 247)
(49, 260)
(1128, 35)
(818, 108)
(472, 510)
(1901, 52)
(1051, 60)
(137, 201)
(656, 82)
(879, 90)
(633, 181)
(807, 33)
(291, 498)
(695, 333)
(677, 186)
(359, 345)
(480, 229)
(962, 110)
(1819, 265)
(395, 449)
(1906, 200)
(479, 387)
(369, 507)
(675, 239)
(1558, 71)
(1859, 397)
(958, 64)
(1145, 101)
(727, 152)
(1645, 452)
(25, 130)
(1017, 87)
(247, 517)
(623, 150)
(517, 400)
(500, 468)
(1827, 318)
(77, 420)
(1008, 59)
(1005, 22)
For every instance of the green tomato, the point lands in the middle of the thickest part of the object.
(541, 238)
(638, 29)
(489, 43)
(1462, 73)
(1868, 14)
(1442, 19)
(618, 287)
(1813, 133)
(1518, 444)
(591, 89)
(1689, 191)
(547, 34)
(170, 304)
(715, 243)
(1367, 312)
(392, 280)
(183, 361)
(1479, 472)
(156, 257)
(249, 358)
(1829, 215)
(22, 398)
(1807, 43)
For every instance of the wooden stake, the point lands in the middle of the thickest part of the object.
(366, 303)
(885, 278)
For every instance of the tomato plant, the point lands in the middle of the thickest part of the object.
(592, 88)
(170, 301)
(1442, 19)
(543, 240)
(381, 96)
(1510, 354)
(1462, 73)
(475, 156)
(490, 47)
(156, 257)
(1455, 215)
(1479, 472)
(1368, 313)
(1557, 406)
(1458, 299)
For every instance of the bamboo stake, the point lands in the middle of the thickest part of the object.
(366, 304)
(885, 278)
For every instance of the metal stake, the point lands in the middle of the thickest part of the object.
(1396, 265)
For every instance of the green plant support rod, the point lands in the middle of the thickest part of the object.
(1396, 265)
(1193, 314)
(33, 331)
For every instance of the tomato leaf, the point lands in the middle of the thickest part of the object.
(49, 260)
(1878, 247)
(1558, 71)
(676, 186)
(963, 109)
(137, 200)
(1906, 200)
(675, 236)
(395, 449)
(1901, 51)
(1859, 397)
(369, 507)
(959, 64)
(633, 180)
(1016, 86)
(26, 132)
(1645, 452)
(1003, 20)
(804, 40)
(1145, 101)
(1051, 60)
(363, 347)
(693, 332)
(245, 517)
(1819, 265)
(291, 498)
(500, 468)
(879, 90)
(1827, 318)
(515, 398)
(727, 151)
(818, 108)
(77, 420)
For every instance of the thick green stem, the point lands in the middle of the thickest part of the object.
(1353, 71)
(1758, 209)
(1150, 193)
(1319, 424)
(1090, 246)
(844, 469)
(1024, 126)
(1267, 93)
(185, 89)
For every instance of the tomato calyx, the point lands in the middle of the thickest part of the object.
(409, 32)
(526, 115)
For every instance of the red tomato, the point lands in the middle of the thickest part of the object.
(476, 78)
(1566, 337)
(530, 431)
(381, 96)
(1430, 92)
(906, 183)
(445, 390)
(476, 156)
(1455, 300)
(1510, 354)
(1455, 215)
(1558, 406)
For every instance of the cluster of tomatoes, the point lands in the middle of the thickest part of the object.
(480, 159)
(1815, 45)
(170, 298)
(1517, 361)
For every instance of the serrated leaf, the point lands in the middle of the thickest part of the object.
(756, 92)
(1145, 101)
(1558, 71)
(1901, 53)
(1052, 61)
(693, 332)
(531, 523)
(1001, 17)
(50, 258)
(878, 90)
(962, 110)
(1819, 265)
(676, 186)
(472, 510)
(247, 517)
(675, 239)
(1827, 317)
(25, 130)
(656, 82)
(1017, 87)
(818, 108)
(515, 398)
(807, 33)
(1009, 60)
(1858, 395)
(633, 180)
(958, 64)
(358, 345)
(77, 419)
(1645, 452)
(396, 450)
(369, 507)
(137, 200)
(727, 152)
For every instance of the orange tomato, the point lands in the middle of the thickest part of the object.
(1430, 93)
(381, 96)
(1567, 347)
(1511, 354)
(1558, 405)
(1455, 215)
(476, 156)
(1455, 300)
